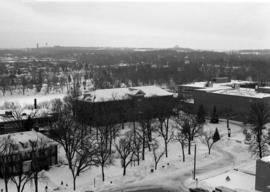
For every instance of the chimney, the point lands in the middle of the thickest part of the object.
(35, 103)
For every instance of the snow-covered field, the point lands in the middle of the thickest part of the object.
(171, 173)
(238, 181)
(29, 99)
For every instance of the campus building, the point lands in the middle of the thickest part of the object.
(24, 151)
(120, 105)
(12, 122)
(226, 95)
(262, 181)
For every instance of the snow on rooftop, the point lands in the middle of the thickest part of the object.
(25, 113)
(266, 159)
(25, 137)
(202, 84)
(29, 99)
(244, 92)
(124, 93)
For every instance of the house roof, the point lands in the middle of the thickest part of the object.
(101, 95)
(22, 140)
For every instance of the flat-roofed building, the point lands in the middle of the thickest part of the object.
(121, 105)
(234, 96)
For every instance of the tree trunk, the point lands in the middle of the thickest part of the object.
(166, 148)
(156, 166)
(138, 160)
(143, 149)
(183, 152)
(36, 182)
(124, 171)
(259, 143)
(189, 146)
(74, 183)
(103, 175)
(6, 185)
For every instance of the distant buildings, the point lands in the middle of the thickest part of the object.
(227, 95)
(25, 121)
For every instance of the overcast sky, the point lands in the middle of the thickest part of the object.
(201, 25)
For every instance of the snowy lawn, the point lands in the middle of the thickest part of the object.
(29, 99)
(225, 155)
(238, 181)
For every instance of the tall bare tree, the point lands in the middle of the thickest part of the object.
(6, 150)
(190, 127)
(104, 154)
(180, 137)
(164, 132)
(157, 153)
(259, 116)
(124, 147)
(210, 138)
(79, 146)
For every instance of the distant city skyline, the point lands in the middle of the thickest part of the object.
(196, 25)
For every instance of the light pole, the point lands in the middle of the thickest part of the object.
(229, 132)
(194, 171)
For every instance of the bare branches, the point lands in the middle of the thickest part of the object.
(125, 149)
(157, 153)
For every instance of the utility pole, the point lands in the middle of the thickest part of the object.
(194, 171)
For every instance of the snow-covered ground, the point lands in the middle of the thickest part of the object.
(171, 173)
(29, 99)
(238, 181)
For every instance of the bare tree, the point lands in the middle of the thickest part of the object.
(163, 131)
(4, 84)
(39, 160)
(190, 127)
(79, 147)
(22, 177)
(181, 138)
(6, 149)
(157, 153)
(142, 134)
(259, 116)
(137, 144)
(124, 147)
(104, 154)
(210, 138)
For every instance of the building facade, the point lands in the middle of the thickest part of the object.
(25, 152)
(122, 105)
(232, 96)
(262, 181)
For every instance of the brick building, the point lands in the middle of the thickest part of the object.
(120, 105)
(231, 95)
(19, 151)
(262, 181)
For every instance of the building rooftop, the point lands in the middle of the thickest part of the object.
(23, 114)
(101, 95)
(202, 84)
(22, 140)
(244, 92)
(266, 159)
